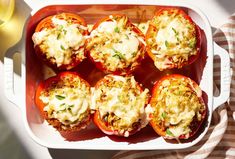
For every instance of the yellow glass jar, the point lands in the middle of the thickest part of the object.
(6, 10)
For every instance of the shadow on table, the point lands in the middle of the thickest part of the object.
(10, 144)
(228, 5)
(81, 154)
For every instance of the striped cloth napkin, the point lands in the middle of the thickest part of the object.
(219, 142)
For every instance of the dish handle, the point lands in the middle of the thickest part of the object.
(9, 74)
(225, 77)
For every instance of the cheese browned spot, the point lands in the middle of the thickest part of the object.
(115, 44)
(67, 101)
(121, 103)
(61, 42)
(174, 40)
(176, 106)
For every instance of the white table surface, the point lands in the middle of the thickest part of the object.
(14, 140)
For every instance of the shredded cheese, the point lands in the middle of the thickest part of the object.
(115, 44)
(68, 101)
(61, 42)
(119, 99)
(176, 107)
(174, 41)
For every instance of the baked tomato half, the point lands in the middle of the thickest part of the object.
(178, 107)
(59, 40)
(120, 105)
(116, 45)
(64, 101)
(173, 40)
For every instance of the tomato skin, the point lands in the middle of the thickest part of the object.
(104, 126)
(47, 23)
(152, 28)
(160, 130)
(44, 85)
(101, 66)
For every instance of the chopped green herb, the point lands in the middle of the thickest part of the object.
(166, 43)
(163, 115)
(127, 37)
(116, 29)
(168, 132)
(118, 54)
(59, 97)
(178, 39)
(70, 110)
(58, 36)
(71, 106)
(176, 34)
(134, 54)
(62, 110)
(143, 27)
(62, 47)
(62, 104)
(65, 31)
(60, 27)
(175, 31)
(192, 43)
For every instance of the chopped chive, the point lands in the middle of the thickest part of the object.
(176, 34)
(166, 43)
(134, 54)
(62, 104)
(62, 47)
(70, 106)
(59, 36)
(163, 115)
(168, 132)
(65, 31)
(192, 43)
(175, 31)
(60, 27)
(143, 27)
(127, 37)
(178, 39)
(116, 29)
(118, 54)
(70, 110)
(59, 97)
(63, 110)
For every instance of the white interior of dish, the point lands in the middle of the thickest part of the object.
(47, 136)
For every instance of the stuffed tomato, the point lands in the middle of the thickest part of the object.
(178, 107)
(116, 45)
(59, 40)
(173, 40)
(64, 101)
(120, 105)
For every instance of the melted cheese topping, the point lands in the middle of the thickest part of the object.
(68, 101)
(121, 103)
(174, 41)
(176, 107)
(61, 42)
(115, 44)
